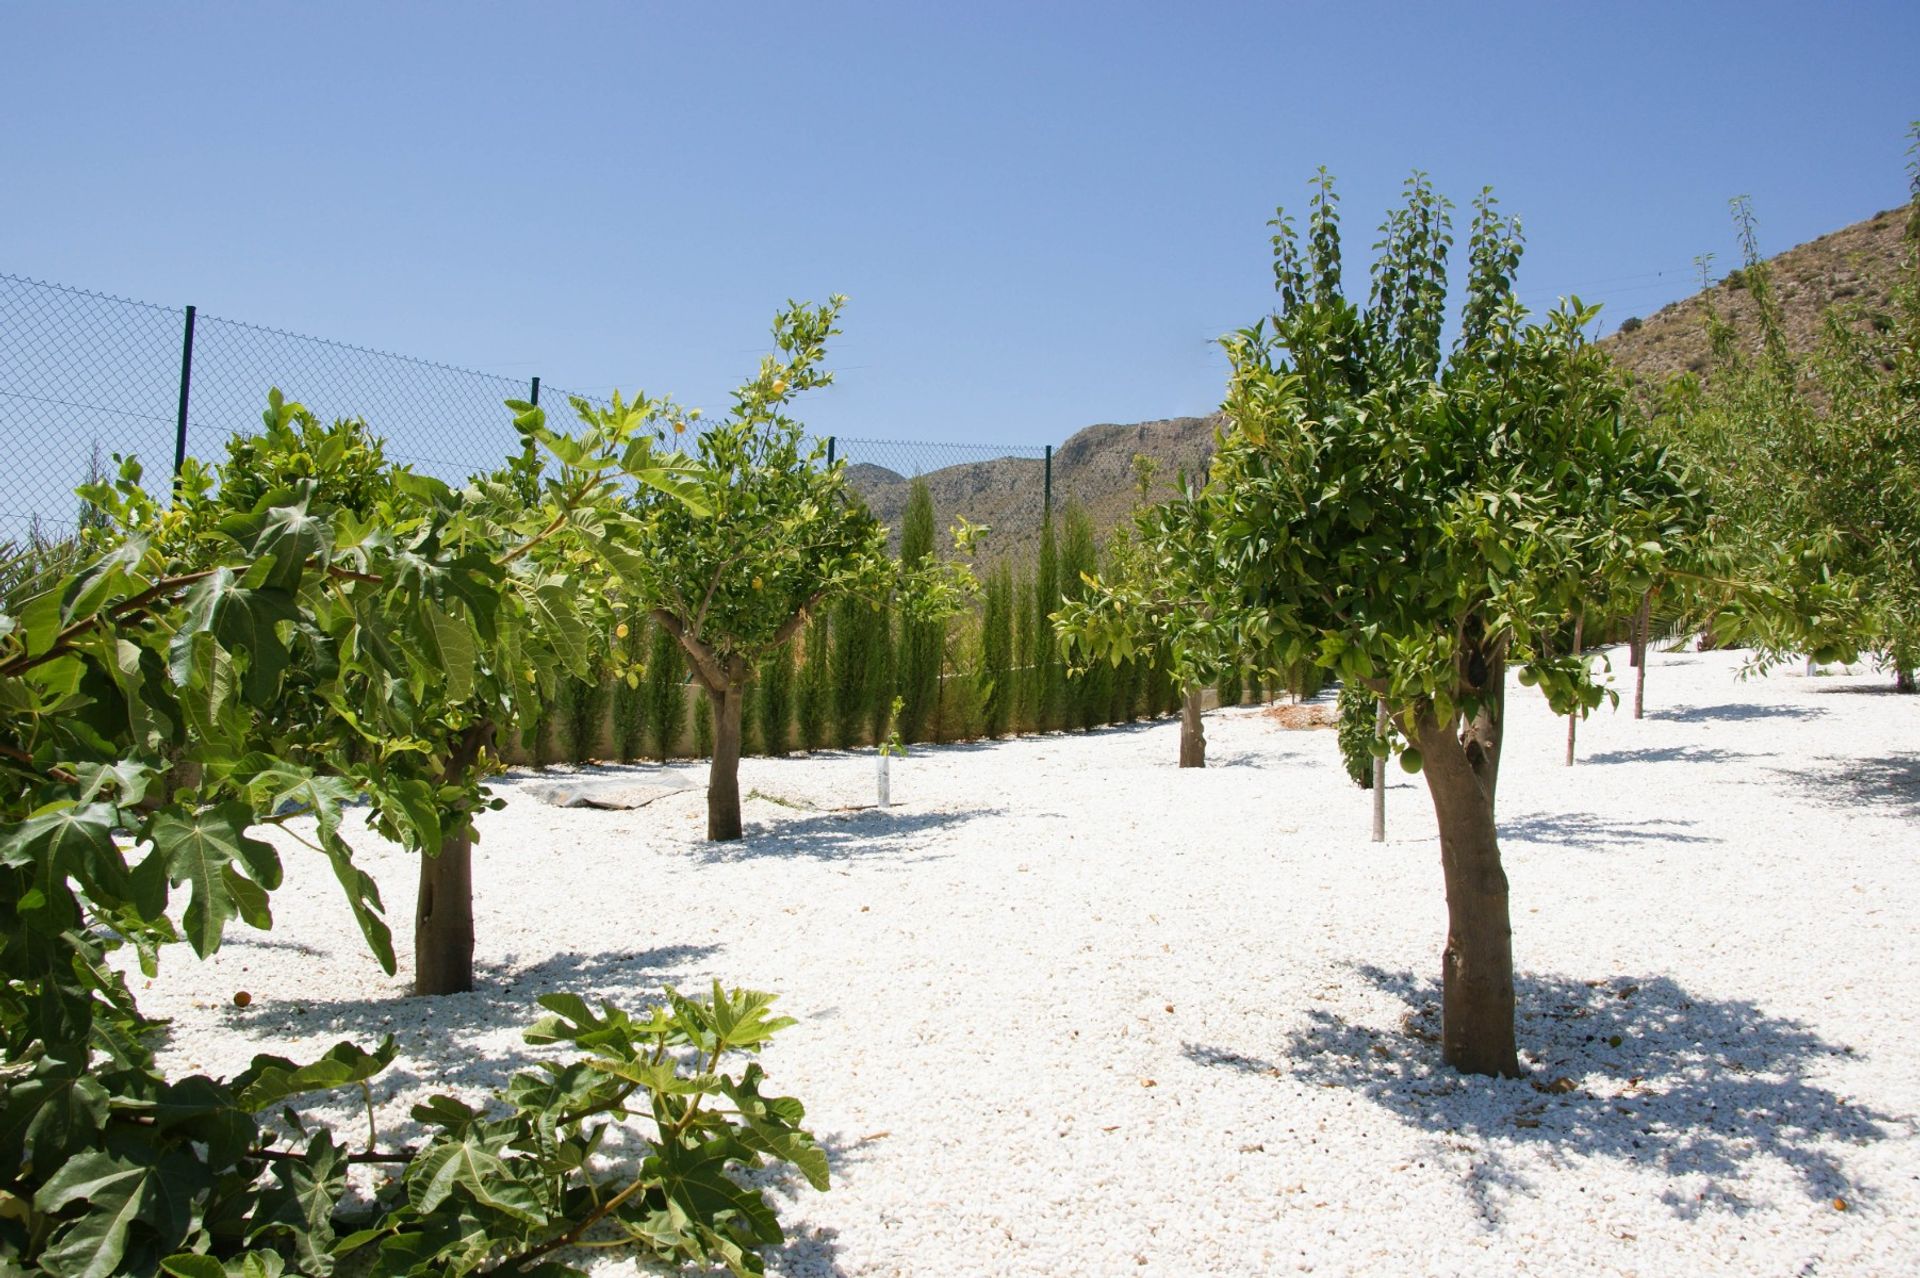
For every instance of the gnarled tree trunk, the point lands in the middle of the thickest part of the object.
(1462, 765)
(1193, 732)
(723, 775)
(443, 905)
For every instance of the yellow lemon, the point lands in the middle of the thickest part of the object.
(620, 631)
(779, 385)
(756, 583)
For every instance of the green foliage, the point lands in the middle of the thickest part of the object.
(1631, 324)
(996, 676)
(779, 537)
(815, 702)
(703, 727)
(664, 684)
(214, 669)
(882, 675)
(584, 706)
(857, 624)
(1087, 689)
(1232, 686)
(1048, 670)
(629, 697)
(776, 702)
(1810, 465)
(1166, 599)
(922, 640)
(1413, 527)
(1358, 711)
(1024, 714)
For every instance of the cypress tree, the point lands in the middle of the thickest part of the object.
(851, 655)
(1026, 685)
(1088, 692)
(629, 698)
(666, 699)
(921, 642)
(882, 674)
(815, 709)
(583, 706)
(703, 727)
(996, 652)
(776, 701)
(1049, 674)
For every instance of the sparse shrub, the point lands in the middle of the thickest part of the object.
(1631, 324)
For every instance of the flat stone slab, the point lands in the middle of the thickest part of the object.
(618, 796)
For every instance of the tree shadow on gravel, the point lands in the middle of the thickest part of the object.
(1735, 712)
(859, 834)
(1593, 832)
(1671, 754)
(1889, 782)
(1638, 1070)
(463, 1032)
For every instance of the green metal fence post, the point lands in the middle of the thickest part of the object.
(1048, 500)
(533, 397)
(830, 440)
(186, 389)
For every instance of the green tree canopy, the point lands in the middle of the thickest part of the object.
(1419, 523)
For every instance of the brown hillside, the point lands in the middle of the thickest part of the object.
(1856, 265)
(1094, 467)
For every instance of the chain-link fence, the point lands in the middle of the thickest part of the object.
(85, 375)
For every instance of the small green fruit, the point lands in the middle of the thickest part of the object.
(1410, 760)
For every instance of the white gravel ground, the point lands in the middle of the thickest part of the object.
(1066, 1009)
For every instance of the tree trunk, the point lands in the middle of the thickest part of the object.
(443, 906)
(1643, 636)
(443, 920)
(1903, 680)
(1380, 775)
(1193, 733)
(723, 775)
(1462, 764)
(1573, 716)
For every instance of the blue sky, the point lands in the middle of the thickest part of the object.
(1042, 214)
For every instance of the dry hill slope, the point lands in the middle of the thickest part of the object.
(1856, 265)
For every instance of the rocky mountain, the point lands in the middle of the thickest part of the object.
(1095, 467)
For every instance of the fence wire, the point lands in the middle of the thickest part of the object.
(86, 375)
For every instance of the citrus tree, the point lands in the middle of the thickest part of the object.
(1169, 603)
(776, 536)
(1419, 522)
(1809, 457)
